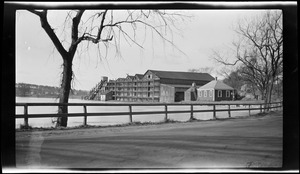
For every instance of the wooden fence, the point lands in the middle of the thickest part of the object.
(130, 113)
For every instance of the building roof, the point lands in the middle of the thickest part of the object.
(178, 86)
(139, 76)
(130, 77)
(216, 84)
(182, 75)
(121, 79)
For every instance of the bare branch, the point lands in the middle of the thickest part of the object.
(50, 32)
(74, 34)
(36, 12)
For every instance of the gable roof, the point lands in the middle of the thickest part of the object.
(130, 77)
(182, 75)
(139, 76)
(216, 84)
(121, 79)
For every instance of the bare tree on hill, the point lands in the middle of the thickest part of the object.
(102, 27)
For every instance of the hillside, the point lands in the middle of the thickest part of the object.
(33, 90)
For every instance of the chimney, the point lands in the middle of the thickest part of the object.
(193, 84)
(216, 78)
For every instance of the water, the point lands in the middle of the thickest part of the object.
(113, 120)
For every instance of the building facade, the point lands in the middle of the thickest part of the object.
(155, 86)
(215, 91)
(191, 93)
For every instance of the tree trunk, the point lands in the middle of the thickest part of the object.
(65, 91)
(265, 98)
(269, 94)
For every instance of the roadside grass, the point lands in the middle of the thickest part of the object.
(138, 123)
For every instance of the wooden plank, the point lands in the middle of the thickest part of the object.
(133, 104)
(26, 125)
(249, 110)
(192, 114)
(85, 115)
(214, 112)
(166, 112)
(260, 107)
(229, 115)
(130, 113)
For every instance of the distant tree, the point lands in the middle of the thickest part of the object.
(23, 89)
(259, 51)
(235, 80)
(208, 70)
(101, 27)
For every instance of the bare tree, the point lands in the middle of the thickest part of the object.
(234, 79)
(202, 70)
(100, 28)
(259, 51)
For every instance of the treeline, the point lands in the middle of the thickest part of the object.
(33, 90)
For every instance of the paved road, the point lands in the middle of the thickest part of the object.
(240, 142)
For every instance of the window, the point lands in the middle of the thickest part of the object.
(227, 93)
(219, 93)
(200, 93)
(210, 93)
(205, 93)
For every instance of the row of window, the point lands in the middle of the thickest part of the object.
(211, 91)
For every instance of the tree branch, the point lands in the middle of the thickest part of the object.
(50, 32)
(74, 34)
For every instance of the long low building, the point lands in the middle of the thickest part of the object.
(156, 86)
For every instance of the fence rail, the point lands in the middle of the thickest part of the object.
(130, 113)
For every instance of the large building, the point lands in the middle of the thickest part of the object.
(156, 86)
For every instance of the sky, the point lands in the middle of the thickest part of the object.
(37, 61)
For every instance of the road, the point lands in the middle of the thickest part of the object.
(248, 142)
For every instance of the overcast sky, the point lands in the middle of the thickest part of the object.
(37, 63)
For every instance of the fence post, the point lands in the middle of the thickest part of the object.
(229, 111)
(166, 112)
(85, 115)
(130, 113)
(214, 111)
(249, 110)
(260, 106)
(192, 114)
(26, 116)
